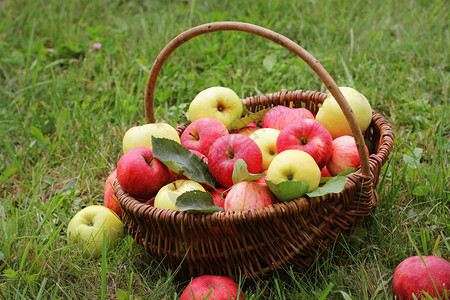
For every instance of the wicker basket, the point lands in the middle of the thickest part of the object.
(257, 242)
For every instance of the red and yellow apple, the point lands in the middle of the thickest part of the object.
(202, 133)
(280, 116)
(226, 151)
(344, 155)
(309, 136)
(140, 174)
(216, 102)
(414, 276)
(247, 195)
(212, 287)
(109, 198)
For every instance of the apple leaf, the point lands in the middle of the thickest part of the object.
(197, 201)
(240, 172)
(253, 117)
(347, 171)
(287, 190)
(182, 161)
(335, 184)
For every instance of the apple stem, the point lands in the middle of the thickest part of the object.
(148, 161)
(194, 136)
(303, 141)
(229, 154)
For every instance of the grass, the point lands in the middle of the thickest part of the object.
(64, 108)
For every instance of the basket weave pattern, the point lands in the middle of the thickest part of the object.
(259, 241)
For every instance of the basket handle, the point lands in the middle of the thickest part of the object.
(270, 35)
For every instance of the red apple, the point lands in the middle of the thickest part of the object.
(324, 172)
(140, 174)
(412, 277)
(248, 195)
(202, 133)
(280, 116)
(344, 155)
(109, 199)
(224, 153)
(211, 286)
(309, 136)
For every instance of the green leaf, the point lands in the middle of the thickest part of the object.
(38, 134)
(197, 201)
(335, 184)
(287, 190)
(269, 61)
(347, 171)
(182, 161)
(253, 117)
(420, 190)
(240, 172)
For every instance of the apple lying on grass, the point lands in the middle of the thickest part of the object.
(141, 136)
(140, 174)
(216, 102)
(414, 277)
(280, 116)
(212, 287)
(109, 198)
(330, 114)
(309, 136)
(90, 225)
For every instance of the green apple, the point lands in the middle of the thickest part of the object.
(90, 224)
(294, 165)
(166, 197)
(216, 102)
(332, 118)
(266, 139)
(141, 136)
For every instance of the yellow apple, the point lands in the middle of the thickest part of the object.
(266, 139)
(141, 136)
(166, 197)
(216, 102)
(90, 225)
(332, 118)
(294, 165)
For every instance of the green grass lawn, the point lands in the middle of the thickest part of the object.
(64, 108)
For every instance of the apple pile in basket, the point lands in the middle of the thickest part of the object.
(223, 161)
